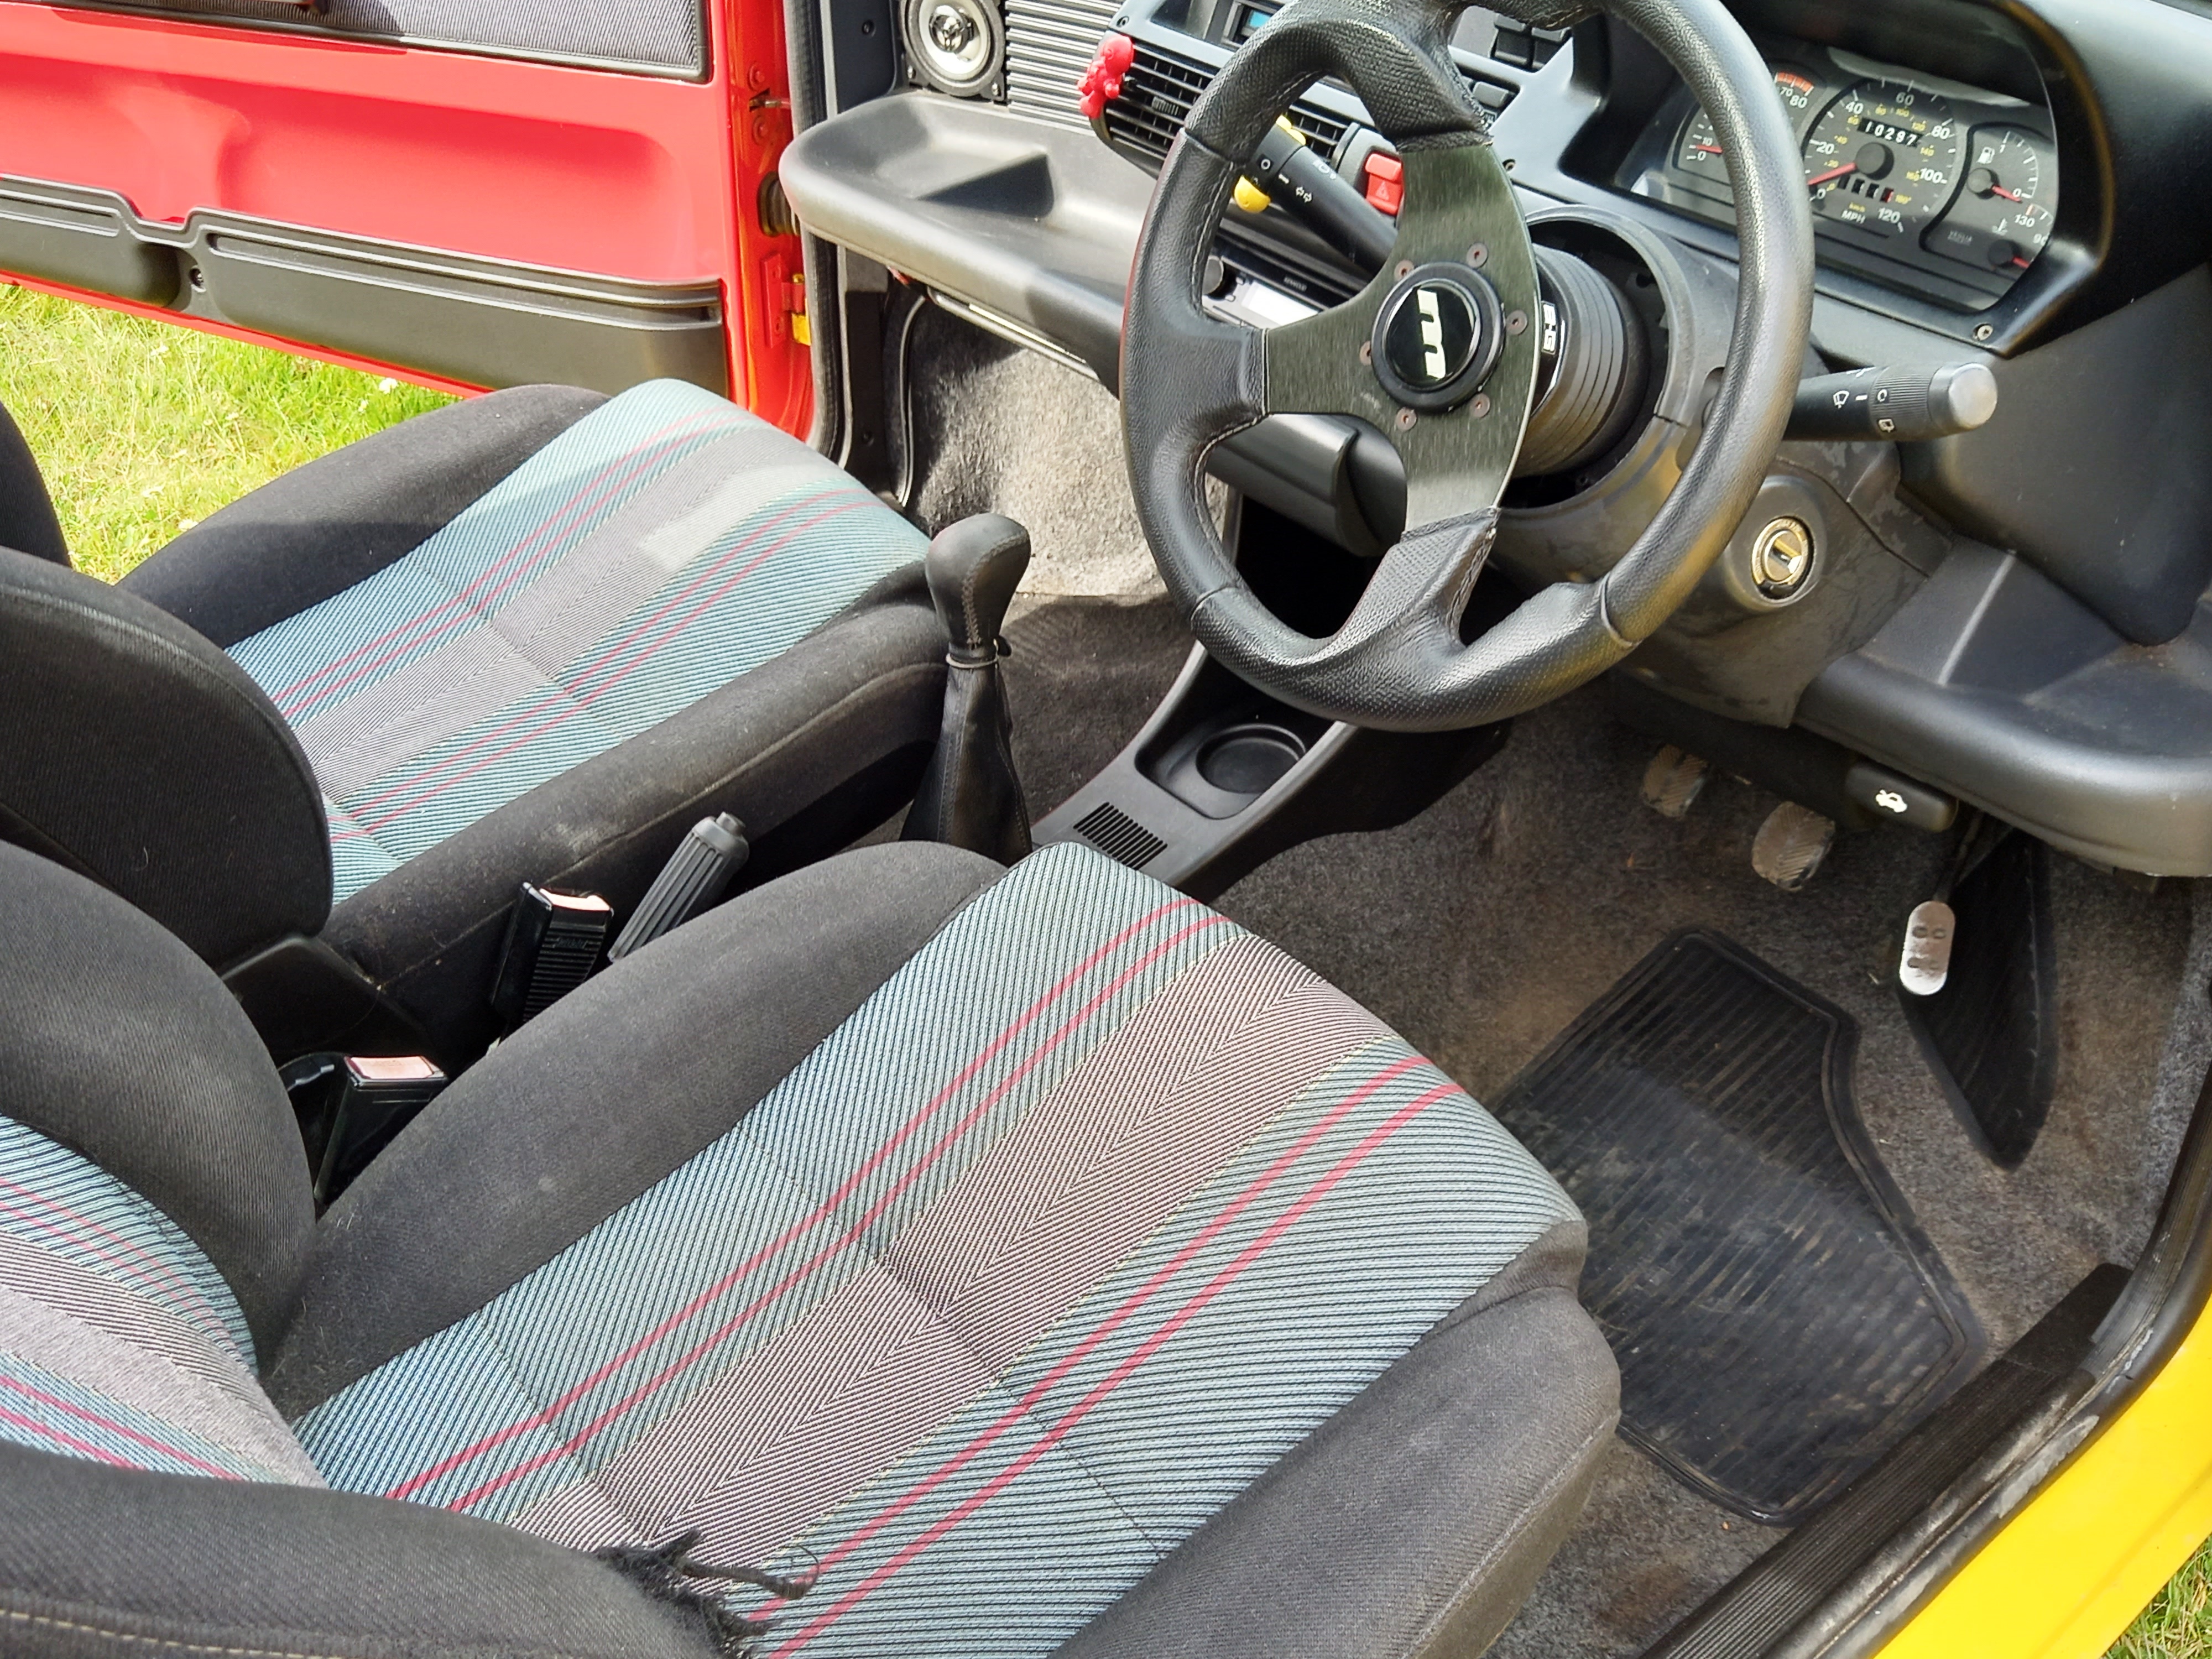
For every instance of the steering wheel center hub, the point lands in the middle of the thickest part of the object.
(1436, 336)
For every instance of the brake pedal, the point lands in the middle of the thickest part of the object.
(1791, 845)
(1672, 782)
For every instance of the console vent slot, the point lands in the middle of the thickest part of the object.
(1050, 45)
(1119, 837)
(1160, 90)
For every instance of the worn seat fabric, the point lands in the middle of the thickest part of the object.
(533, 636)
(662, 546)
(1032, 1254)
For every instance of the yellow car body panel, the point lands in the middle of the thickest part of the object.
(2071, 1571)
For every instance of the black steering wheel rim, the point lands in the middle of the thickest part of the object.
(1188, 379)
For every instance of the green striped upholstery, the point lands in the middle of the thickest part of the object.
(1094, 1209)
(654, 552)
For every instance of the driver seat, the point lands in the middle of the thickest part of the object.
(1018, 1262)
(535, 636)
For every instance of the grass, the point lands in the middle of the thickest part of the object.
(144, 428)
(2178, 1624)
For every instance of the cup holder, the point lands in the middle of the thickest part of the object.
(1248, 759)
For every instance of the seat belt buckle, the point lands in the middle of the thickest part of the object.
(351, 1106)
(554, 943)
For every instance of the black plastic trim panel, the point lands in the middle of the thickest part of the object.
(481, 322)
(309, 28)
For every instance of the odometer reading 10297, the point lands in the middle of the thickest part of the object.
(1884, 155)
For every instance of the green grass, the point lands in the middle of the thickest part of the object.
(2178, 1624)
(144, 428)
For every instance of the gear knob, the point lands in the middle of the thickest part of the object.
(973, 567)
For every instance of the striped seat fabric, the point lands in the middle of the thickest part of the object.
(662, 546)
(1095, 1209)
(120, 1341)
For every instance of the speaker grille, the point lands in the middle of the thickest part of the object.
(1119, 837)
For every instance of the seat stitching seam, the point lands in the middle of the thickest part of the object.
(440, 947)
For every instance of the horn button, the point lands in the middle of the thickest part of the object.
(1438, 335)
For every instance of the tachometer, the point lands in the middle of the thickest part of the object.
(2003, 216)
(1884, 155)
(1700, 151)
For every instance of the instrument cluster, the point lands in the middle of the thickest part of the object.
(1928, 184)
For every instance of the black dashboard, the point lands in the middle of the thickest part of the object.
(2018, 615)
(1916, 180)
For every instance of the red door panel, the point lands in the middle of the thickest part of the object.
(458, 216)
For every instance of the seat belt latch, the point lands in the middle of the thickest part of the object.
(696, 874)
(350, 1107)
(553, 946)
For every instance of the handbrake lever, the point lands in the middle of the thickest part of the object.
(1894, 405)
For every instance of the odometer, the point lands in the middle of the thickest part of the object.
(1884, 155)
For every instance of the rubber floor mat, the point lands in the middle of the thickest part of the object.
(1779, 1319)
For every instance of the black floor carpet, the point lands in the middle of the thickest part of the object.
(1778, 1319)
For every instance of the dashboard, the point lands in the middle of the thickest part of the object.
(2021, 615)
(1916, 180)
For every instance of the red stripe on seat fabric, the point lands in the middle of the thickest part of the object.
(82, 1448)
(1152, 1345)
(827, 1207)
(799, 1274)
(164, 1275)
(566, 711)
(93, 1418)
(587, 497)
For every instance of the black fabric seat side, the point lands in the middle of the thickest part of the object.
(560, 1127)
(96, 1562)
(117, 1042)
(812, 750)
(338, 519)
(27, 522)
(138, 755)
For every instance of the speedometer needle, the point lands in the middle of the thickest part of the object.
(1820, 178)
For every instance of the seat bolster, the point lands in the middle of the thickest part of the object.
(1447, 1484)
(118, 1045)
(140, 755)
(27, 522)
(812, 750)
(559, 1127)
(341, 518)
(96, 1562)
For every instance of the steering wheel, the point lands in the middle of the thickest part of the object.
(1439, 353)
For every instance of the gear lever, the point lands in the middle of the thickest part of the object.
(971, 796)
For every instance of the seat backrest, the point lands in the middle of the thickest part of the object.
(134, 752)
(155, 1222)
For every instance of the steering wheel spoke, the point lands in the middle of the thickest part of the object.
(1321, 365)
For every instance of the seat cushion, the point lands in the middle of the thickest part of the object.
(659, 548)
(1097, 1208)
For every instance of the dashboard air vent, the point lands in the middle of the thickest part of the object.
(1160, 90)
(1049, 45)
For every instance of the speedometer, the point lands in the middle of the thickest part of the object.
(1884, 155)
